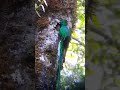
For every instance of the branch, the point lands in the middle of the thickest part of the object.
(78, 41)
(109, 40)
(98, 31)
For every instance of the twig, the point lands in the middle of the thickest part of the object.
(109, 40)
(78, 41)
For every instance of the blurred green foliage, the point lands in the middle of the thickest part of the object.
(103, 44)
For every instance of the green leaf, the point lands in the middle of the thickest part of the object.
(37, 13)
(95, 21)
(96, 46)
(89, 72)
(117, 82)
(36, 6)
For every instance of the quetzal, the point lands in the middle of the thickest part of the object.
(64, 35)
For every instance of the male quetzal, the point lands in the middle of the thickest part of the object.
(64, 35)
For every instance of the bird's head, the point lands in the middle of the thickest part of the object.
(63, 22)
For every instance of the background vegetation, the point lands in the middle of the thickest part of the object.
(73, 73)
(102, 45)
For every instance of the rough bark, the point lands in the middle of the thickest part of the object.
(17, 30)
(47, 42)
(28, 44)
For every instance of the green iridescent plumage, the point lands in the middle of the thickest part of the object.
(64, 34)
(64, 31)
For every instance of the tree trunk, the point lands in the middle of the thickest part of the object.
(28, 57)
(17, 42)
(47, 41)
